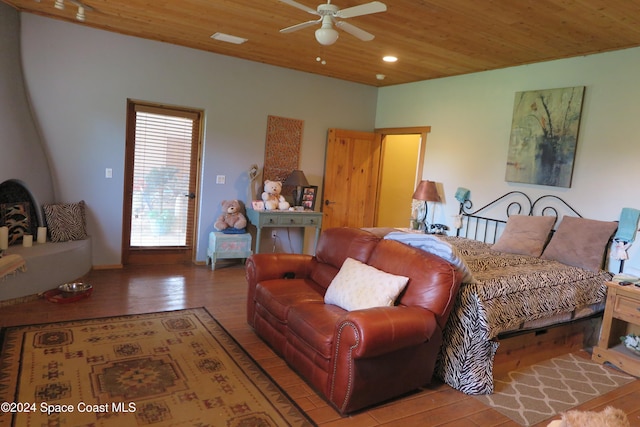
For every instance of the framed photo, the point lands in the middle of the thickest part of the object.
(257, 205)
(309, 195)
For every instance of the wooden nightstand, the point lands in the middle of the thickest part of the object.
(621, 317)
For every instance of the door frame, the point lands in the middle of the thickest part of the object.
(159, 255)
(381, 133)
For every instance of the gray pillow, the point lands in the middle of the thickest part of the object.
(525, 235)
(580, 242)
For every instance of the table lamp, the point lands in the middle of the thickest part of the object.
(426, 191)
(298, 180)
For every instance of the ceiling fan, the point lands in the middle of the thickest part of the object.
(326, 34)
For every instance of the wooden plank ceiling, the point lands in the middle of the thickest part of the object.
(431, 38)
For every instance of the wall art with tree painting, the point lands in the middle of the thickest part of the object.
(544, 136)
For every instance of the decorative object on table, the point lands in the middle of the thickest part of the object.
(298, 180)
(254, 183)
(309, 195)
(632, 342)
(272, 197)
(231, 220)
(427, 192)
(173, 368)
(544, 135)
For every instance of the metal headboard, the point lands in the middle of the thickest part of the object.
(478, 225)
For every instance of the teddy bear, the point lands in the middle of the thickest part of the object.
(272, 198)
(232, 219)
(609, 417)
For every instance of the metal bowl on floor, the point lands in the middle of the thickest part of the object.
(74, 288)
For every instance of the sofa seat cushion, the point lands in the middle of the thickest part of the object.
(314, 325)
(277, 296)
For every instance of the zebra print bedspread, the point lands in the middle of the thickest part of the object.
(509, 291)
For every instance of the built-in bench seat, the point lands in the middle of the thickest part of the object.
(47, 266)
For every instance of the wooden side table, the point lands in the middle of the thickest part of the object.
(283, 219)
(621, 317)
(225, 246)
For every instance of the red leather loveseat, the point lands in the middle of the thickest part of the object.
(353, 358)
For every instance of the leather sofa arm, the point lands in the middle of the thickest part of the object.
(380, 330)
(261, 267)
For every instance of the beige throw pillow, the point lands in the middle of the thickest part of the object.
(358, 286)
(580, 242)
(525, 235)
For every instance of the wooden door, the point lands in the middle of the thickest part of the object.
(161, 169)
(351, 179)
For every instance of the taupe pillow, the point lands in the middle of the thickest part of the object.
(580, 242)
(525, 235)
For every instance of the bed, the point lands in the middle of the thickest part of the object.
(517, 278)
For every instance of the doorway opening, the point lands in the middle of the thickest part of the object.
(161, 173)
(401, 164)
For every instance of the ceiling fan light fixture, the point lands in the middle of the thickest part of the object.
(326, 36)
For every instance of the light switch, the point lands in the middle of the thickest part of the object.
(108, 173)
(220, 179)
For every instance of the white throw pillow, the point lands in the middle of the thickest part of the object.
(358, 286)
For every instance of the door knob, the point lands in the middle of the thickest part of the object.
(328, 202)
(190, 195)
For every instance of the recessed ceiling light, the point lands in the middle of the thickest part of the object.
(389, 58)
(228, 38)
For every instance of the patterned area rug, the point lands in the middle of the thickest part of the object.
(177, 368)
(539, 392)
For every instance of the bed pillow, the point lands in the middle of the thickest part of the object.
(525, 235)
(358, 286)
(65, 221)
(580, 242)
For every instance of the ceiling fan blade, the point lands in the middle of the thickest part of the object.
(300, 6)
(363, 9)
(355, 31)
(300, 26)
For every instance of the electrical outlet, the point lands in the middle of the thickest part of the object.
(274, 234)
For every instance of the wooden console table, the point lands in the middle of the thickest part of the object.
(284, 219)
(621, 317)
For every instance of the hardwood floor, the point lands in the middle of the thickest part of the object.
(223, 292)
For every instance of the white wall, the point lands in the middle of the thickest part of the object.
(22, 156)
(470, 119)
(80, 78)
